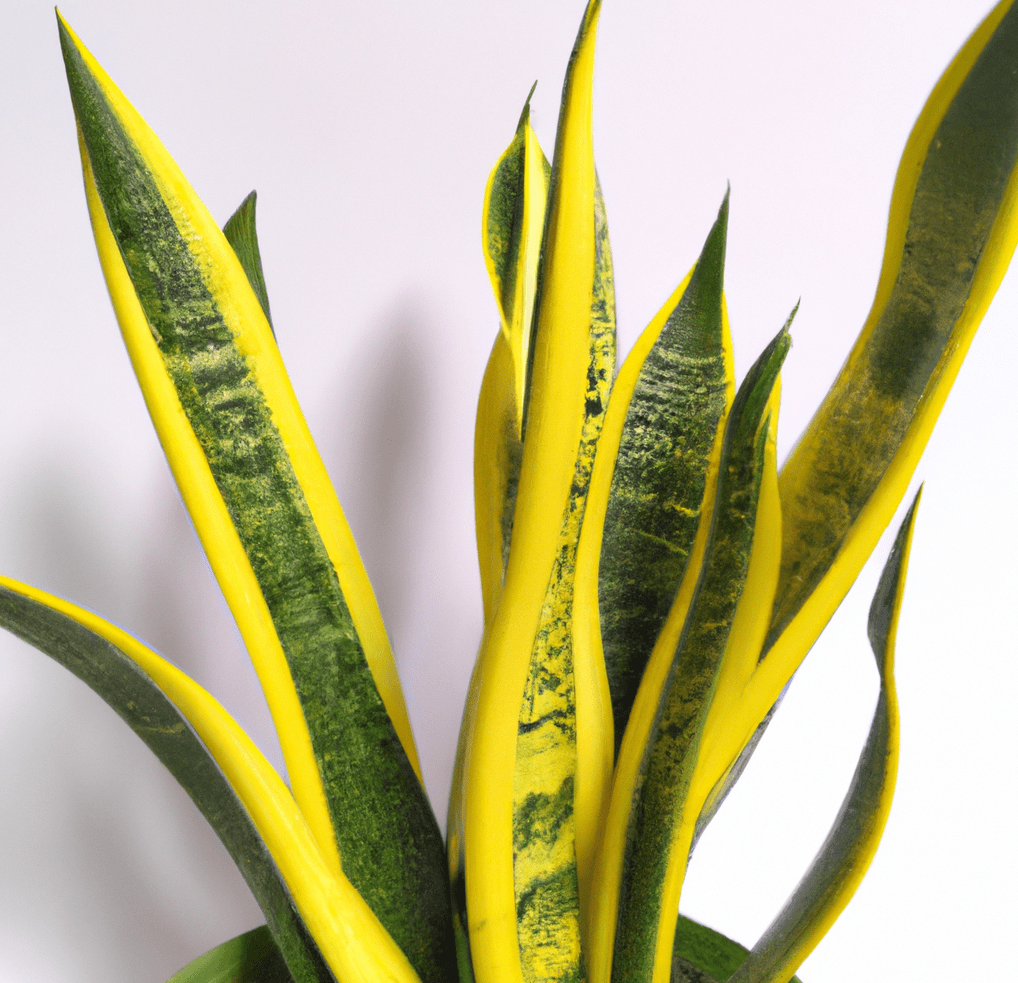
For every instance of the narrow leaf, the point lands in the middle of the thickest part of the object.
(847, 852)
(241, 233)
(516, 835)
(249, 958)
(267, 515)
(677, 404)
(514, 209)
(659, 791)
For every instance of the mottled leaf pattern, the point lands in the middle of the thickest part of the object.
(660, 827)
(658, 487)
(544, 857)
(389, 843)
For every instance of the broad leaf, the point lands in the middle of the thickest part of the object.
(952, 230)
(268, 518)
(686, 690)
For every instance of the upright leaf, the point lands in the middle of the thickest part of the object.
(514, 210)
(514, 817)
(242, 235)
(951, 233)
(678, 401)
(265, 510)
(658, 791)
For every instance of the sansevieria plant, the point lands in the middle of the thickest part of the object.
(651, 579)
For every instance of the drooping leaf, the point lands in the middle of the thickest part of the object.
(846, 854)
(268, 518)
(131, 692)
(242, 235)
(249, 958)
(658, 790)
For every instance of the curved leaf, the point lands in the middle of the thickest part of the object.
(514, 209)
(513, 811)
(241, 233)
(268, 518)
(846, 854)
(952, 230)
(702, 955)
(249, 958)
(131, 692)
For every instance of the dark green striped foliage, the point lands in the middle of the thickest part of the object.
(670, 755)
(388, 838)
(241, 233)
(139, 701)
(660, 475)
(846, 852)
(959, 195)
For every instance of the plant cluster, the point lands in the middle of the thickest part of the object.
(651, 581)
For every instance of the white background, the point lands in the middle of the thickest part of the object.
(369, 131)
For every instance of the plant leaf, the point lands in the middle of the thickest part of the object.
(267, 515)
(249, 958)
(847, 852)
(659, 790)
(702, 955)
(679, 392)
(130, 691)
(952, 230)
(241, 233)
(514, 209)
(515, 839)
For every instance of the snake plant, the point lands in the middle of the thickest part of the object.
(651, 580)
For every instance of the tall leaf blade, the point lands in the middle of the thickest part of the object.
(952, 230)
(846, 854)
(513, 811)
(678, 401)
(267, 515)
(513, 223)
(658, 790)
